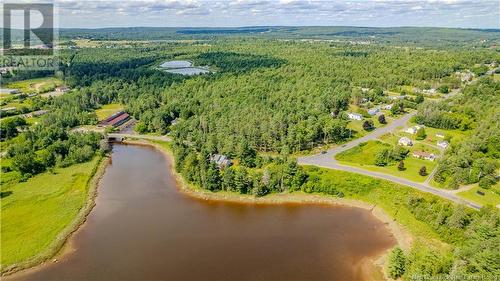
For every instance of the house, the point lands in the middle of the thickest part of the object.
(62, 89)
(115, 120)
(440, 135)
(365, 90)
(398, 97)
(8, 91)
(8, 109)
(442, 143)
(387, 107)
(220, 160)
(431, 91)
(411, 130)
(424, 155)
(373, 111)
(404, 141)
(36, 113)
(354, 116)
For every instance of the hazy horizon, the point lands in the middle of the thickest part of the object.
(243, 13)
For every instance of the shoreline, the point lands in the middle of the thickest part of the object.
(61, 246)
(60, 241)
(376, 263)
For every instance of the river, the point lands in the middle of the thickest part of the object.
(143, 228)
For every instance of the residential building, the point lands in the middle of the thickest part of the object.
(8, 91)
(440, 135)
(8, 109)
(387, 107)
(62, 89)
(354, 116)
(431, 91)
(411, 130)
(404, 141)
(424, 155)
(373, 111)
(220, 160)
(443, 144)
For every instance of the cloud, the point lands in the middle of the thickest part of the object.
(283, 12)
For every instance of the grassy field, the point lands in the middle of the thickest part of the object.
(37, 85)
(363, 156)
(107, 110)
(491, 196)
(36, 211)
(496, 77)
(389, 196)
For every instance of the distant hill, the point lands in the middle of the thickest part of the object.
(419, 36)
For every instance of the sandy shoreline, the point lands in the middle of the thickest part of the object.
(61, 247)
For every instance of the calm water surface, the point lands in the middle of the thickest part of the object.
(142, 228)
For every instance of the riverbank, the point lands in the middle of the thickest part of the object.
(83, 188)
(373, 266)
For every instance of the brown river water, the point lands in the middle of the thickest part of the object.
(143, 228)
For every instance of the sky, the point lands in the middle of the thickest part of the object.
(233, 13)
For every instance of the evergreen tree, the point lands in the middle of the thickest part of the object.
(423, 171)
(397, 263)
(381, 119)
(401, 165)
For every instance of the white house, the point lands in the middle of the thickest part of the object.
(440, 135)
(404, 141)
(373, 111)
(354, 116)
(387, 107)
(8, 91)
(442, 143)
(411, 130)
(424, 155)
(431, 91)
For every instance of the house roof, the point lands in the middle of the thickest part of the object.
(423, 154)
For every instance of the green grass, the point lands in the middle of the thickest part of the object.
(36, 211)
(107, 110)
(389, 196)
(363, 156)
(491, 196)
(496, 77)
(37, 85)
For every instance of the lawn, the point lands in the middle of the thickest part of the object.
(491, 196)
(36, 211)
(37, 85)
(389, 196)
(107, 110)
(363, 156)
(496, 77)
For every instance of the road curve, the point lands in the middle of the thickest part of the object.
(327, 160)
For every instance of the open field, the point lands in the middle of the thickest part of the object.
(363, 156)
(37, 85)
(107, 110)
(491, 196)
(35, 212)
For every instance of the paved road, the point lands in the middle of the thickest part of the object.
(137, 136)
(327, 160)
